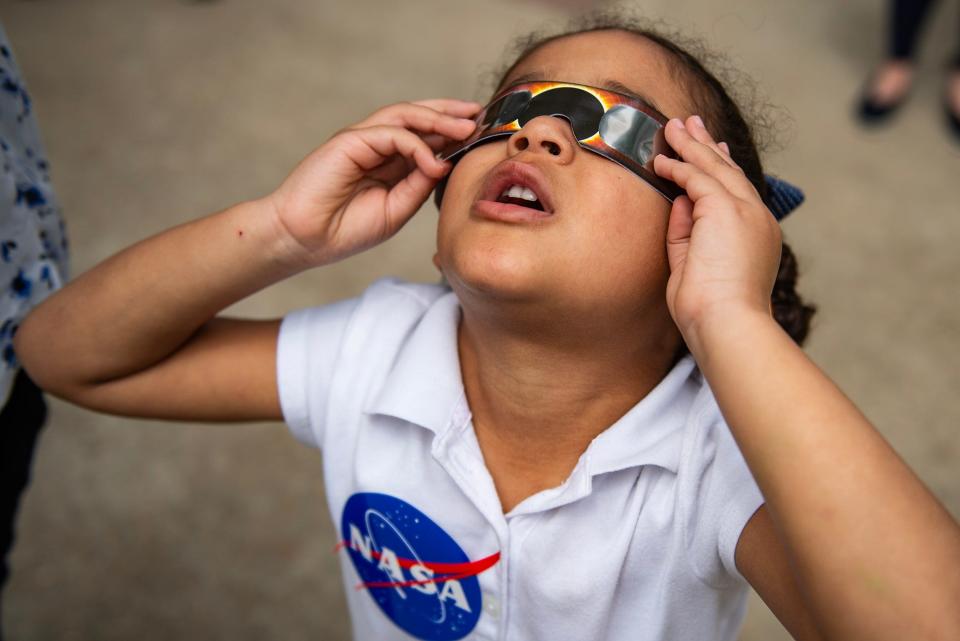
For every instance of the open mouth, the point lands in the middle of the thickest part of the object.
(521, 196)
(518, 184)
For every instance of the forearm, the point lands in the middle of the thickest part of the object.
(876, 554)
(139, 306)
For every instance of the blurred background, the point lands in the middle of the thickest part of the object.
(158, 111)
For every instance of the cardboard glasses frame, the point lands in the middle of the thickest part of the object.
(618, 127)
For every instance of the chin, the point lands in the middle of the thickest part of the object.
(494, 272)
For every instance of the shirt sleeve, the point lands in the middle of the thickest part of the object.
(308, 350)
(720, 495)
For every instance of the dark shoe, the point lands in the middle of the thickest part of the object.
(870, 112)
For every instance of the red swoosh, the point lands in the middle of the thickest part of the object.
(442, 571)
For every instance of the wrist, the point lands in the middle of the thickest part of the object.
(282, 246)
(724, 327)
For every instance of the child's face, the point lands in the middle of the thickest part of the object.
(603, 246)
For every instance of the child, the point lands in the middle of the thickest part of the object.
(535, 454)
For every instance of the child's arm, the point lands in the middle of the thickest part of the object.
(137, 335)
(874, 554)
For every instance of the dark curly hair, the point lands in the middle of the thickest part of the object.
(723, 117)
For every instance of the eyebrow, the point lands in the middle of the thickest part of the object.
(607, 83)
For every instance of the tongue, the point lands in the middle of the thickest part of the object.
(532, 204)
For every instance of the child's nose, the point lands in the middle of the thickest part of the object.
(548, 135)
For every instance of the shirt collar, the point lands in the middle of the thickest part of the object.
(425, 387)
(651, 433)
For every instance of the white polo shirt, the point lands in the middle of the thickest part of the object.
(638, 543)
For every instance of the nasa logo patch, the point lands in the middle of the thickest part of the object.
(413, 569)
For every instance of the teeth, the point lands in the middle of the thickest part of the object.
(516, 191)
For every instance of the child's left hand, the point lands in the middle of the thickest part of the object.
(723, 244)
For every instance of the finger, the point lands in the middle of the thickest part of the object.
(436, 142)
(722, 149)
(422, 119)
(697, 130)
(724, 152)
(370, 147)
(701, 134)
(679, 228)
(706, 159)
(452, 107)
(726, 155)
(405, 198)
(393, 170)
(693, 180)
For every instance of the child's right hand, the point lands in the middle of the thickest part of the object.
(363, 184)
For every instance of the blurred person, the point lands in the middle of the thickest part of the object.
(889, 85)
(604, 427)
(33, 264)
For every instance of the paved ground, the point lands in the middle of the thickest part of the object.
(158, 111)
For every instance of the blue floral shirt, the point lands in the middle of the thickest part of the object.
(33, 243)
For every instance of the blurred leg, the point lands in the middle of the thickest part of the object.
(906, 19)
(891, 80)
(20, 423)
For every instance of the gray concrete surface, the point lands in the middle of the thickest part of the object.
(158, 111)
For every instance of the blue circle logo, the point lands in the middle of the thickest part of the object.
(413, 569)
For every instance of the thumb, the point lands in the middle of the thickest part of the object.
(406, 197)
(679, 228)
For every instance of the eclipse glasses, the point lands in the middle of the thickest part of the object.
(621, 128)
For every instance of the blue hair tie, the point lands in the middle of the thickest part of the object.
(782, 197)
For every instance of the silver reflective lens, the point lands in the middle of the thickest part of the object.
(630, 131)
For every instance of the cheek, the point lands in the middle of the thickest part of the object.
(448, 223)
(468, 174)
(630, 229)
(462, 184)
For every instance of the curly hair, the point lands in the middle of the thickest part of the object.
(722, 115)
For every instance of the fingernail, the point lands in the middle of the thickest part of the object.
(678, 123)
(699, 122)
